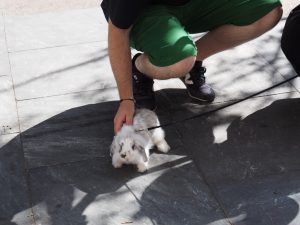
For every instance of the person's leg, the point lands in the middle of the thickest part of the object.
(229, 23)
(290, 41)
(229, 36)
(175, 70)
(168, 50)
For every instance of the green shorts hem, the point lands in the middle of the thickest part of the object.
(162, 32)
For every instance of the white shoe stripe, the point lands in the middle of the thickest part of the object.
(187, 79)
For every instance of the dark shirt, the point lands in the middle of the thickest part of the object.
(123, 13)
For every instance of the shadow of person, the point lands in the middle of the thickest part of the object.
(255, 171)
(62, 169)
(71, 181)
(13, 188)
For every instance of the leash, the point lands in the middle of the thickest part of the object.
(220, 108)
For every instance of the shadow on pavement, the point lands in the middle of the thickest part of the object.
(254, 173)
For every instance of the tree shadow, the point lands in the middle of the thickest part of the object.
(61, 168)
(70, 180)
(254, 171)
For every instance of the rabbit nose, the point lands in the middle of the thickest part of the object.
(123, 155)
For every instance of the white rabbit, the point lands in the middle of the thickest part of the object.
(132, 144)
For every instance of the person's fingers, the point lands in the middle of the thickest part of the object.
(118, 123)
(124, 115)
(129, 119)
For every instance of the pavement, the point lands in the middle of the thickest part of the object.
(237, 166)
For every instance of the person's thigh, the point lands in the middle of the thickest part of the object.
(159, 34)
(205, 15)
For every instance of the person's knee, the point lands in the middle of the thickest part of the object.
(276, 15)
(174, 61)
(182, 67)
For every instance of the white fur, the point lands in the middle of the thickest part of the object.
(132, 146)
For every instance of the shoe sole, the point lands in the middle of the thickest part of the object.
(199, 99)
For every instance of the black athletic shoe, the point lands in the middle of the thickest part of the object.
(195, 84)
(142, 88)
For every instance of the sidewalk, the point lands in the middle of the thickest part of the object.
(58, 97)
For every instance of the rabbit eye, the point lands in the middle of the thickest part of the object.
(133, 146)
(121, 146)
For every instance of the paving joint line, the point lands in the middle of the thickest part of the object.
(25, 168)
(205, 181)
(64, 94)
(55, 46)
(64, 163)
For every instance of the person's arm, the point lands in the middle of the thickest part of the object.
(120, 59)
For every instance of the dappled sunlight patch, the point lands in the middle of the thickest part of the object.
(112, 208)
(220, 133)
(296, 198)
(233, 220)
(78, 196)
(41, 214)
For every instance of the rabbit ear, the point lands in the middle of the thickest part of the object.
(142, 151)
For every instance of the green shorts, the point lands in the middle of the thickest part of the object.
(162, 32)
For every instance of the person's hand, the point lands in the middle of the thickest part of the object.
(124, 115)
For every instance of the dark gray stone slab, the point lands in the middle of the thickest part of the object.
(94, 192)
(82, 135)
(63, 70)
(55, 29)
(87, 192)
(74, 127)
(14, 207)
(271, 200)
(8, 114)
(256, 138)
(77, 134)
(249, 155)
(176, 195)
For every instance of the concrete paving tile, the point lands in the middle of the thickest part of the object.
(255, 138)
(2, 33)
(35, 111)
(270, 200)
(55, 29)
(8, 114)
(88, 192)
(14, 207)
(4, 62)
(62, 70)
(268, 46)
(239, 72)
